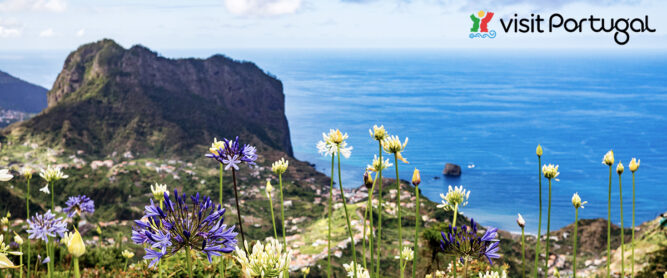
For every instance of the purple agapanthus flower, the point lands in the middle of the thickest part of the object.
(233, 154)
(198, 225)
(466, 243)
(79, 205)
(43, 226)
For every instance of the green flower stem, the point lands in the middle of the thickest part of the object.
(465, 268)
(398, 213)
(125, 267)
(329, 273)
(539, 226)
(189, 260)
(75, 260)
(363, 239)
(21, 262)
(370, 214)
(380, 211)
(27, 210)
(273, 218)
(456, 212)
(609, 226)
(523, 254)
(221, 177)
(546, 246)
(160, 264)
(574, 242)
(49, 249)
(238, 210)
(282, 210)
(620, 191)
(632, 242)
(416, 248)
(347, 217)
(53, 203)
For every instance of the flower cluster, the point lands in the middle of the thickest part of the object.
(51, 174)
(378, 165)
(493, 274)
(79, 205)
(576, 201)
(27, 172)
(361, 271)
(43, 226)
(392, 144)
(231, 153)
(198, 226)
(333, 142)
(279, 167)
(265, 260)
(407, 254)
(550, 171)
(127, 254)
(159, 190)
(466, 243)
(4, 249)
(456, 197)
(378, 133)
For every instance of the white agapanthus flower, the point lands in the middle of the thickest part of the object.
(361, 271)
(455, 197)
(45, 189)
(493, 274)
(332, 142)
(375, 167)
(407, 254)
(266, 260)
(5, 175)
(51, 174)
(158, 191)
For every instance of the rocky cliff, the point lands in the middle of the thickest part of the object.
(108, 99)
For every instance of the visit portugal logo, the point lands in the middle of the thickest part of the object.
(480, 24)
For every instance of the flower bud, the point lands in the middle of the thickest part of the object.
(619, 168)
(634, 164)
(269, 188)
(608, 158)
(75, 245)
(550, 171)
(279, 167)
(416, 178)
(538, 151)
(18, 239)
(520, 221)
(368, 181)
(576, 201)
(127, 254)
(159, 190)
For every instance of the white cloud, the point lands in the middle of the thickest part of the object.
(81, 32)
(262, 7)
(33, 5)
(46, 33)
(9, 28)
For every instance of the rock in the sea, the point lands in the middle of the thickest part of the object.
(452, 170)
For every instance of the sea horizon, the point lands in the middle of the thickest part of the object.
(470, 108)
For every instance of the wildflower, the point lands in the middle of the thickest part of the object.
(18, 239)
(576, 201)
(179, 226)
(79, 205)
(608, 158)
(416, 178)
(159, 190)
(74, 243)
(520, 221)
(493, 274)
(269, 188)
(361, 271)
(280, 166)
(407, 254)
(51, 174)
(550, 171)
(127, 254)
(538, 151)
(45, 189)
(4, 249)
(233, 154)
(266, 260)
(454, 198)
(619, 168)
(305, 270)
(5, 175)
(392, 144)
(378, 165)
(333, 142)
(466, 244)
(634, 164)
(43, 226)
(27, 172)
(5, 220)
(216, 145)
(378, 133)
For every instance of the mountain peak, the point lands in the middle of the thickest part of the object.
(108, 98)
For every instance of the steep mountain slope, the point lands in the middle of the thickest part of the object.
(108, 100)
(19, 95)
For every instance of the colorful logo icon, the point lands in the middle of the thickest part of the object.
(480, 24)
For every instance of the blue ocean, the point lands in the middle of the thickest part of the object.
(487, 109)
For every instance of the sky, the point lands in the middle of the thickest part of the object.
(207, 24)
